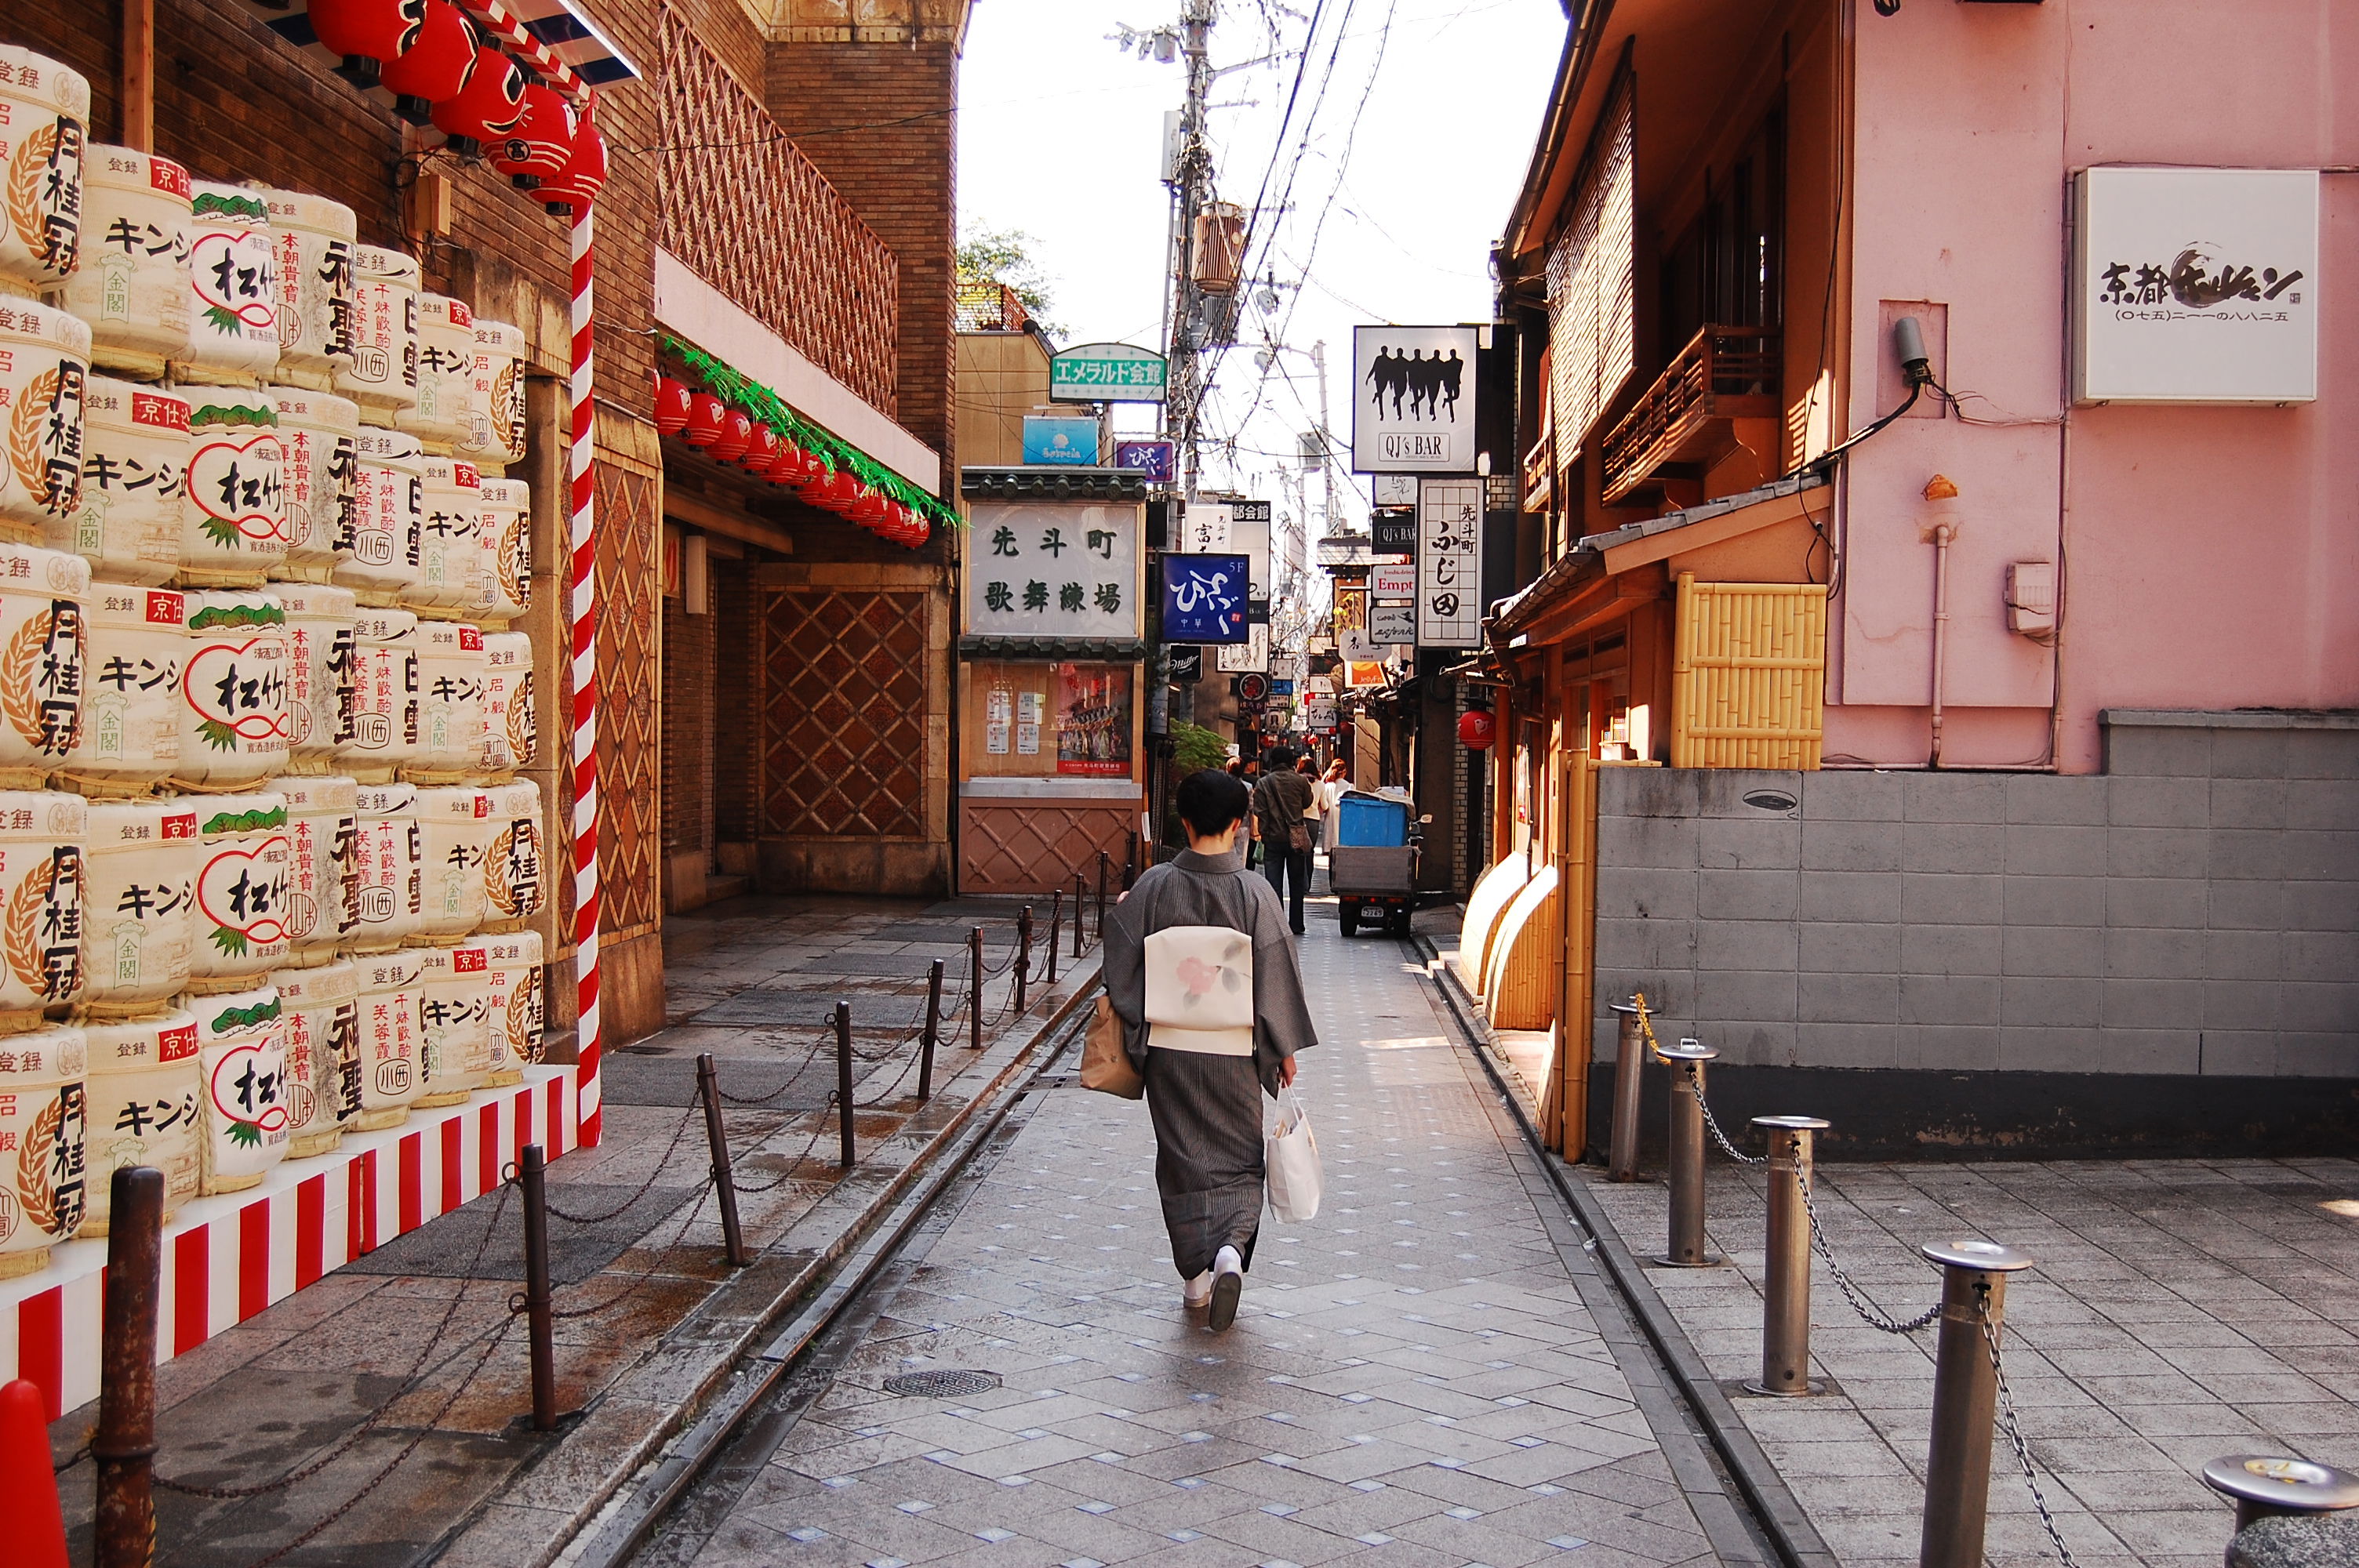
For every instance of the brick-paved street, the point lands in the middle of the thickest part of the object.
(1414, 1378)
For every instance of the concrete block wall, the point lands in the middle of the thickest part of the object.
(2191, 914)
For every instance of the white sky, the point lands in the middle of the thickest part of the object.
(1415, 149)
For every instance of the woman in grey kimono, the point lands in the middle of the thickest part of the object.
(1200, 966)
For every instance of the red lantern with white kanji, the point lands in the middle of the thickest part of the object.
(575, 188)
(1477, 730)
(537, 149)
(487, 108)
(706, 415)
(836, 493)
(868, 507)
(761, 452)
(737, 435)
(672, 400)
(367, 33)
(434, 68)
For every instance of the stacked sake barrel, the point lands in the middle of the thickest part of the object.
(266, 865)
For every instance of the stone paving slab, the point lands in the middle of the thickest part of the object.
(1414, 1377)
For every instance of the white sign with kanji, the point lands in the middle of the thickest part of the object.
(1204, 529)
(1248, 657)
(1450, 563)
(1053, 569)
(1392, 625)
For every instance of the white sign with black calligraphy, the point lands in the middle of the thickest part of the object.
(1450, 563)
(1248, 657)
(1046, 569)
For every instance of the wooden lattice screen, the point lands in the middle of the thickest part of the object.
(843, 713)
(630, 719)
(1749, 675)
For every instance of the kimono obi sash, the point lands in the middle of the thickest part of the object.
(1199, 994)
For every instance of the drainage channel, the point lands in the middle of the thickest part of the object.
(671, 1515)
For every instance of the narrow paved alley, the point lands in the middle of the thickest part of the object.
(1416, 1376)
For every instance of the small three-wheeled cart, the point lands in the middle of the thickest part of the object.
(1372, 870)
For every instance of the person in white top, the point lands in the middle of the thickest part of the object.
(1331, 788)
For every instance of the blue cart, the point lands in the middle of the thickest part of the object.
(1372, 870)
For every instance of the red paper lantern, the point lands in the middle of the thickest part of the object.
(367, 33)
(737, 435)
(575, 187)
(1477, 730)
(705, 416)
(487, 108)
(762, 451)
(837, 491)
(673, 399)
(433, 69)
(868, 507)
(537, 149)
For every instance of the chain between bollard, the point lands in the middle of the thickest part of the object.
(2013, 1427)
(1869, 1313)
(1711, 1123)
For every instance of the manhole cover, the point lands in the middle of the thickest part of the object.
(942, 1385)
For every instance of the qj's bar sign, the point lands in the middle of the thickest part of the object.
(1204, 598)
(1413, 399)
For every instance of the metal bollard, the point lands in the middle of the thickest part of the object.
(724, 1181)
(843, 1078)
(1080, 891)
(933, 1032)
(1965, 1400)
(124, 1444)
(1106, 867)
(2265, 1485)
(1786, 1288)
(532, 1176)
(1056, 929)
(1023, 955)
(1130, 864)
(1629, 1076)
(974, 991)
(1689, 1247)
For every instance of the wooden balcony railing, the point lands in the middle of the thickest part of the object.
(1724, 374)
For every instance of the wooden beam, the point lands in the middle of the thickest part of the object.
(1607, 600)
(688, 509)
(138, 94)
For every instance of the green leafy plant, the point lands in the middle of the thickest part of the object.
(1004, 256)
(1195, 748)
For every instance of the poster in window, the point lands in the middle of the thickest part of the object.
(1093, 710)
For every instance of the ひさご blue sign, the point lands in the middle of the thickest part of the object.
(1061, 442)
(1204, 598)
(1153, 458)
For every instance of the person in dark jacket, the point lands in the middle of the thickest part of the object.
(1281, 803)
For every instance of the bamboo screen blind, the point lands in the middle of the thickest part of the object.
(1593, 301)
(1749, 674)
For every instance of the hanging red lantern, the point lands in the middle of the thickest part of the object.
(761, 452)
(838, 492)
(868, 506)
(1477, 730)
(706, 414)
(487, 108)
(737, 435)
(673, 399)
(575, 188)
(367, 33)
(787, 469)
(537, 149)
(433, 69)
(920, 531)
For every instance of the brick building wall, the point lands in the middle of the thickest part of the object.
(687, 751)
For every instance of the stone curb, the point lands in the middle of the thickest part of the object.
(547, 1509)
(1776, 1509)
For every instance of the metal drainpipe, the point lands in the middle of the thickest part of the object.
(1942, 532)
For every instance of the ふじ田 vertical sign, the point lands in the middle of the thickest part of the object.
(1449, 563)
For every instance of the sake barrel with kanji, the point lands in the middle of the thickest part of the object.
(135, 444)
(322, 1008)
(144, 1083)
(133, 288)
(241, 1088)
(139, 929)
(456, 828)
(495, 396)
(245, 882)
(515, 873)
(44, 646)
(453, 567)
(44, 373)
(313, 238)
(232, 687)
(321, 435)
(446, 373)
(517, 1004)
(43, 882)
(44, 139)
(234, 510)
(320, 650)
(383, 375)
(136, 640)
(507, 539)
(450, 676)
(322, 835)
(388, 879)
(390, 1084)
(44, 1145)
(511, 730)
(455, 1021)
(233, 287)
(388, 513)
(384, 695)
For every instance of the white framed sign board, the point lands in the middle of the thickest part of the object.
(1413, 399)
(1392, 625)
(1450, 564)
(1393, 581)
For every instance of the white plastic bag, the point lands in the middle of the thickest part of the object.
(1292, 1160)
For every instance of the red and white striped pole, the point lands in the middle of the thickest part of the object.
(582, 612)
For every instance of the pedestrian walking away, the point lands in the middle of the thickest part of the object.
(1333, 787)
(1281, 808)
(1201, 972)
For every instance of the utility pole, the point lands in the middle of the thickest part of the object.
(1191, 190)
(1326, 442)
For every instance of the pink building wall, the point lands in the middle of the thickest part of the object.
(2209, 554)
